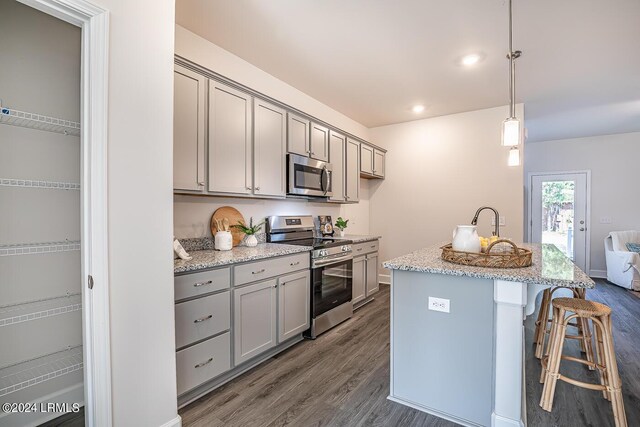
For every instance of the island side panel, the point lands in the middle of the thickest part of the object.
(443, 362)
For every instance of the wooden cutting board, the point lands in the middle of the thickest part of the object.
(233, 216)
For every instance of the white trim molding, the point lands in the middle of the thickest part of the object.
(176, 422)
(600, 274)
(94, 22)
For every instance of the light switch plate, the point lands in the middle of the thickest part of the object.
(439, 304)
(605, 220)
(502, 220)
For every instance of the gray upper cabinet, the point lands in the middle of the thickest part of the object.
(352, 171)
(254, 319)
(371, 161)
(269, 149)
(319, 142)
(190, 90)
(293, 305)
(230, 155)
(378, 163)
(298, 135)
(366, 159)
(337, 159)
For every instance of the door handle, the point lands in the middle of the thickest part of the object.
(581, 228)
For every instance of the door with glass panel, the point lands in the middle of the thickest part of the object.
(559, 213)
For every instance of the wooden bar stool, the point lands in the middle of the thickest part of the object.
(610, 383)
(542, 329)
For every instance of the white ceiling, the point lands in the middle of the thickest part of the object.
(374, 59)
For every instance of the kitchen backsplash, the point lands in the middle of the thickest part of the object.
(207, 243)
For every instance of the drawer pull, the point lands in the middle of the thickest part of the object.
(202, 319)
(294, 263)
(359, 249)
(197, 285)
(200, 365)
(372, 246)
(258, 272)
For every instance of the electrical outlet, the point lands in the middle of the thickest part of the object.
(439, 304)
(605, 220)
(502, 220)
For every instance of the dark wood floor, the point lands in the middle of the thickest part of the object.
(342, 379)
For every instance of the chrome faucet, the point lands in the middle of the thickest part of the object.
(474, 221)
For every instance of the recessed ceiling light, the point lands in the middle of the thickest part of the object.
(470, 59)
(418, 108)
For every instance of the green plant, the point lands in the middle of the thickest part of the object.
(251, 229)
(341, 223)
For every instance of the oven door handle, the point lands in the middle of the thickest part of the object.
(325, 262)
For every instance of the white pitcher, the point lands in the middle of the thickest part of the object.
(465, 238)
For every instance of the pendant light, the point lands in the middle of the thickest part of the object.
(511, 127)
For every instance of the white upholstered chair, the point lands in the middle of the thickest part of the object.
(623, 266)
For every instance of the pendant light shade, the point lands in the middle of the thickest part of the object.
(511, 132)
(511, 127)
(514, 157)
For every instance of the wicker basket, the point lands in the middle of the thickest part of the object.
(516, 258)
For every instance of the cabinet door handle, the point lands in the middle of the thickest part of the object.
(295, 263)
(275, 286)
(202, 319)
(200, 365)
(200, 183)
(258, 272)
(197, 285)
(257, 188)
(249, 188)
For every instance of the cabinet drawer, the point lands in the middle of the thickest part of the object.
(202, 362)
(254, 271)
(201, 318)
(194, 284)
(365, 248)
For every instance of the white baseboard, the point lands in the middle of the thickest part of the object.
(498, 421)
(176, 422)
(600, 274)
(384, 278)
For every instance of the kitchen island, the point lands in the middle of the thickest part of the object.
(457, 333)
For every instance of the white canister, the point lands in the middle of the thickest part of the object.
(465, 238)
(223, 241)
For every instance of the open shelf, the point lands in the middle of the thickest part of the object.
(13, 117)
(35, 371)
(39, 248)
(24, 312)
(31, 183)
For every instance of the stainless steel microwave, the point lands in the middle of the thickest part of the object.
(308, 177)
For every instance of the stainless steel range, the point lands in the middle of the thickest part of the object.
(331, 270)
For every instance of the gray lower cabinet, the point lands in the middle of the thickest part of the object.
(365, 271)
(202, 362)
(230, 153)
(337, 159)
(255, 317)
(202, 318)
(293, 305)
(269, 149)
(189, 95)
(372, 274)
(359, 279)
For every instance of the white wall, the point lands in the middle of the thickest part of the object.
(438, 172)
(193, 213)
(141, 38)
(613, 161)
(206, 54)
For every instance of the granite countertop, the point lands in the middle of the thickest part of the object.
(205, 259)
(550, 267)
(358, 238)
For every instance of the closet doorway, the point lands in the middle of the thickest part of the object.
(54, 318)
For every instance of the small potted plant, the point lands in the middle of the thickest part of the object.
(250, 231)
(341, 224)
